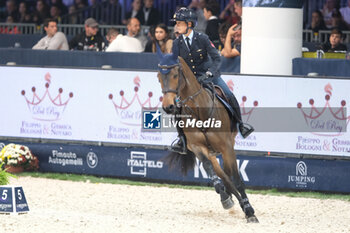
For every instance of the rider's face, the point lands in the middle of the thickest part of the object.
(181, 27)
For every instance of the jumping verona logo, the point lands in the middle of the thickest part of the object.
(301, 179)
(301, 169)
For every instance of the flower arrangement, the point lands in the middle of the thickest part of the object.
(5, 176)
(15, 155)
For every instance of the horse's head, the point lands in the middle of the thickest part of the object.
(169, 78)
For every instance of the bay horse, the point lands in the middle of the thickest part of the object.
(182, 90)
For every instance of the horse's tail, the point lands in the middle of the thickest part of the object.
(183, 163)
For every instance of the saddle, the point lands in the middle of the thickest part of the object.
(220, 95)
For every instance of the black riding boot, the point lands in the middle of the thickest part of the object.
(244, 128)
(180, 145)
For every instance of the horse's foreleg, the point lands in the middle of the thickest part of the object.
(225, 178)
(226, 199)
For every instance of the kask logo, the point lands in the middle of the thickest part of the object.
(151, 119)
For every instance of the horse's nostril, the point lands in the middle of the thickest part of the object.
(171, 107)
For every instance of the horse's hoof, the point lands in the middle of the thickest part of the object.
(252, 219)
(228, 203)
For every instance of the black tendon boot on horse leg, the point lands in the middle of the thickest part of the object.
(244, 203)
(226, 199)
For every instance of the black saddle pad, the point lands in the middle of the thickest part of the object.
(223, 101)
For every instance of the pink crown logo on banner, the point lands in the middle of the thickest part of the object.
(46, 107)
(338, 113)
(130, 110)
(246, 112)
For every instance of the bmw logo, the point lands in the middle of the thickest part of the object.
(91, 159)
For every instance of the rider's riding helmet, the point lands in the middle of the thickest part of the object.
(187, 15)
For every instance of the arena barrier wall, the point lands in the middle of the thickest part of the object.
(323, 67)
(146, 164)
(146, 61)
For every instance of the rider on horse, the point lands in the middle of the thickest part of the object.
(194, 48)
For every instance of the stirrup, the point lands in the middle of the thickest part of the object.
(179, 146)
(245, 129)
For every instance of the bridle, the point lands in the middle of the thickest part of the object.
(179, 86)
(166, 80)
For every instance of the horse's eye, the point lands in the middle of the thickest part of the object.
(175, 76)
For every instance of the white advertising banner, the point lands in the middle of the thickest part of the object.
(290, 92)
(79, 104)
(106, 106)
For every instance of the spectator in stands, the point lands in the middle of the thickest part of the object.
(112, 12)
(327, 11)
(151, 38)
(121, 43)
(238, 8)
(68, 3)
(73, 17)
(53, 40)
(135, 12)
(338, 21)
(197, 6)
(345, 11)
(90, 39)
(41, 12)
(63, 8)
(94, 9)
(11, 10)
(211, 11)
(335, 42)
(111, 35)
(24, 15)
(55, 13)
(80, 4)
(134, 30)
(229, 14)
(10, 29)
(162, 37)
(317, 22)
(151, 14)
(224, 27)
(232, 47)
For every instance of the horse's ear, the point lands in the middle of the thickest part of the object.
(159, 52)
(175, 49)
